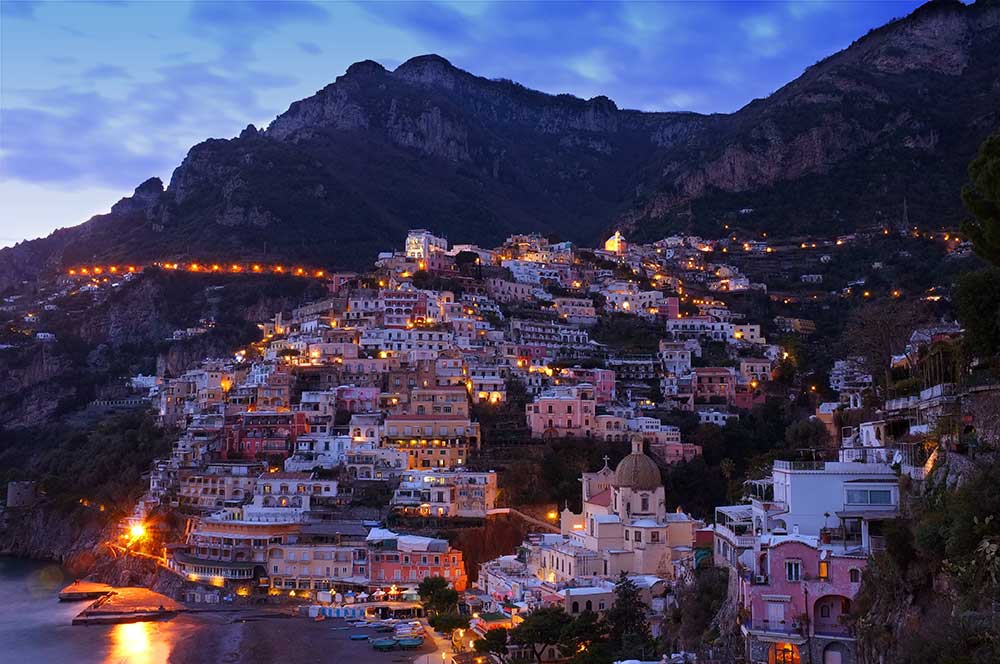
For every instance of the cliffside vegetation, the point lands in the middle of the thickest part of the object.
(101, 465)
(931, 597)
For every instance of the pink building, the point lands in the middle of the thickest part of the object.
(669, 308)
(715, 385)
(748, 395)
(603, 381)
(674, 452)
(357, 399)
(794, 606)
(406, 560)
(563, 412)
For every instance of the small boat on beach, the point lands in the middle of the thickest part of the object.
(411, 642)
(383, 645)
(358, 637)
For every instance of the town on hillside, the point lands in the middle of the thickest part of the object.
(379, 447)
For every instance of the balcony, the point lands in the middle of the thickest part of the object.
(788, 628)
(739, 541)
(835, 630)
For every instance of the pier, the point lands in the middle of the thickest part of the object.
(122, 605)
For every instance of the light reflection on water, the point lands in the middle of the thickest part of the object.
(36, 628)
(138, 643)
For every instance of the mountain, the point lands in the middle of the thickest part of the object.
(340, 175)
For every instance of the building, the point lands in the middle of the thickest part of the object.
(446, 493)
(408, 559)
(798, 549)
(715, 385)
(421, 243)
(624, 526)
(431, 440)
(263, 434)
(562, 412)
(616, 244)
(797, 601)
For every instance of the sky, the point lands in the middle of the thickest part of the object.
(96, 97)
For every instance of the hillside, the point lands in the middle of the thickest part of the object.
(343, 174)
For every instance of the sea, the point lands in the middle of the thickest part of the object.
(35, 627)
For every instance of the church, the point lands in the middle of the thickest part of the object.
(624, 526)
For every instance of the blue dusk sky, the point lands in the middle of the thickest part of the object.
(96, 97)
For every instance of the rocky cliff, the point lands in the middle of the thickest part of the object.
(342, 174)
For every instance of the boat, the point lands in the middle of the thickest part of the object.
(411, 642)
(319, 617)
(358, 637)
(384, 644)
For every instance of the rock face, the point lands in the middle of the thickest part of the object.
(344, 173)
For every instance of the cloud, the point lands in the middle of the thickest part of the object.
(309, 48)
(106, 71)
(67, 135)
(22, 9)
(435, 19)
(236, 26)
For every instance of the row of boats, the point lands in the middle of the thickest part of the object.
(405, 635)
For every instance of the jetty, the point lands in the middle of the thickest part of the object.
(80, 590)
(122, 605)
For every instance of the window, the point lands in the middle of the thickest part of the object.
(775, 613)
(793, 570)
(645, 503)
(654, 536)
(855, 575)
(824, 611)
(626, 535)
(638, 536)
(869, 497)
(824, 569)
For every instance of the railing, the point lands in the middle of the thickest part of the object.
(741, 541)
(834, 630)
(782, 627)
(800, 465)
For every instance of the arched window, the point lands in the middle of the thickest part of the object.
(576, 607)
(855, 575)
(589, 605)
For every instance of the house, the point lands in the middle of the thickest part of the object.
(446, 493)
(397, 559)
(798, 549)
(560, 412)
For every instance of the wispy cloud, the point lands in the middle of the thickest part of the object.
(22, 9)
(310, 48)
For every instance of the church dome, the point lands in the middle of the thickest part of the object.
(637, 471)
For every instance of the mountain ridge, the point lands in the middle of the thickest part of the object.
(343, 173)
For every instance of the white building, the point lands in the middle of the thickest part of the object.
(421, 243)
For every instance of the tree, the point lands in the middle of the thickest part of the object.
(698, 602)
(807, 434)
(628, 627)
(448, 622)
(541, 628)
(982, 198)
(879, 330)
(583, 633)
(437, 595)
(977, 304)
(493, 643)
